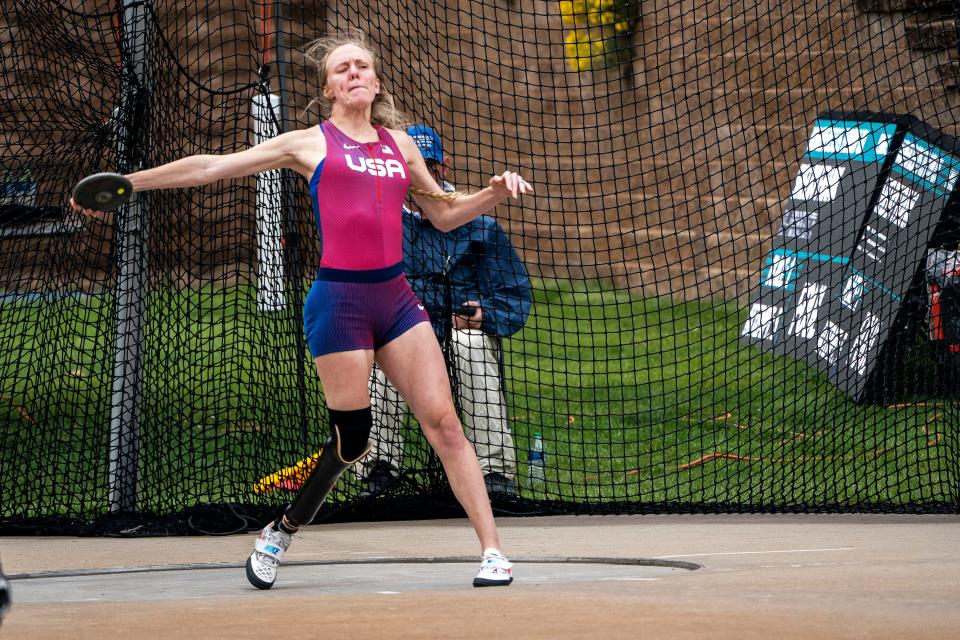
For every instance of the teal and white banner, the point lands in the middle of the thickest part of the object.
(837, 178)
(864, 204)
(842, 140)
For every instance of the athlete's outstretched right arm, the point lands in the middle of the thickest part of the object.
(193, 171)
(283, 151)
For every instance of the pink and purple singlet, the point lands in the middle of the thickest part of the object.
(360, 299)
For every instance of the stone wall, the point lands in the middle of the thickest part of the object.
(667, 179)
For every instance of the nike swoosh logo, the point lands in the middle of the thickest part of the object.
(420, 306)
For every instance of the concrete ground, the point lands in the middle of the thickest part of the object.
(760, 576)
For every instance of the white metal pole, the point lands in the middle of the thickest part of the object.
(270, 294)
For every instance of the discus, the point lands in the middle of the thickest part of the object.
(103, 192)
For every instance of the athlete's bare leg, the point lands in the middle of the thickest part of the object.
(414, 363)
(345, 377)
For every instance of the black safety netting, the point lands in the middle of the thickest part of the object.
(735, 288)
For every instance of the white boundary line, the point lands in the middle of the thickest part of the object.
(744, 553)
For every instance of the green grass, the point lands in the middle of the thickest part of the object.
(639, 400)
(632, 394)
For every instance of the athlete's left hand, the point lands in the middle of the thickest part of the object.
(509, 183)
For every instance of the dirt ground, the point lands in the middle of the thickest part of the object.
(761, 576)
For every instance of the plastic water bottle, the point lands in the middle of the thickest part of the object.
(536, 461)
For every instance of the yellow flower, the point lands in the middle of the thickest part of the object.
(594, 25)
(578, 50)
(574, 45)
(584, 49)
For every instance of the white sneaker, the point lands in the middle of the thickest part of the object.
(495, 570)
(263, 563)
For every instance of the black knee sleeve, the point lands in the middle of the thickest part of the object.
(351, 429)
(348, 442)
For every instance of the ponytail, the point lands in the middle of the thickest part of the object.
(444, 196)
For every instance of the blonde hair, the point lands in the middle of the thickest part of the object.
(383, 112)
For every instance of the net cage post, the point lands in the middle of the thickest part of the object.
(291, 233)
(132, 152)
(270, 277)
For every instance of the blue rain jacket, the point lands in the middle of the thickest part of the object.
(473, 262)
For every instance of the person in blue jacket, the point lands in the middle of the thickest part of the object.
(477, 292)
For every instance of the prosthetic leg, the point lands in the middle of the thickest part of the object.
(348, 443)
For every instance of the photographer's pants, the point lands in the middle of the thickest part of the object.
(481, 399)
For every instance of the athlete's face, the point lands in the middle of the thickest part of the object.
(351, 78)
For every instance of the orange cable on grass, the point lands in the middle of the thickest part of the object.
(714, 456)
(936, 434)
(20, 410)
(720, 418)
(797, 435)
(874, 453)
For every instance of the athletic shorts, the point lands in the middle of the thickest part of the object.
(348, 310)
